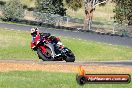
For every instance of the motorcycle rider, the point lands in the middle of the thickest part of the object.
(35, 33)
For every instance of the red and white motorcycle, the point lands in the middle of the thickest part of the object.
(52, 49)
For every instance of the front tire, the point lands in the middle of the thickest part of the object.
(70, 56)
(46, 56)
(70, 59)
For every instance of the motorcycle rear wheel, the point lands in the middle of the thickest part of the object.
(45, 57)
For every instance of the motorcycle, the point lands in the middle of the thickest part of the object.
(52, 49)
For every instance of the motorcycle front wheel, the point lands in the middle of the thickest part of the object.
(70, 56)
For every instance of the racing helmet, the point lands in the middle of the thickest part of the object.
(34, 31)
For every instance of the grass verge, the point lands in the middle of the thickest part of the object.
(16, 45)
(40, 79)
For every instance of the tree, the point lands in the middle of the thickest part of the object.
(2, 3)
(123, 11)
(89, 6)
(13, 9)
(74, 4)
(51, 6)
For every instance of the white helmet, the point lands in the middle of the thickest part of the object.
(34, 31)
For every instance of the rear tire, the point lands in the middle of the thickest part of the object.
(44, 57)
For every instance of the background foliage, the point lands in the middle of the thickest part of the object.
(51, 6)
(13, 9)
(123, 11)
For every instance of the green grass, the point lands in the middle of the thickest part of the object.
(16, 45)
(40, 79)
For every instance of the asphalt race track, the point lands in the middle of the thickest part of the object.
(84, 63)
(115, 40)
